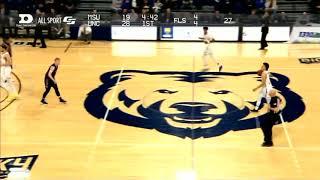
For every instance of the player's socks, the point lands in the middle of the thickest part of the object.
(220, 68)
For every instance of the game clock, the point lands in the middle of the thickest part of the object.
(149, 19)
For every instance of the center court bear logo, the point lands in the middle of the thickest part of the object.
(187, 104)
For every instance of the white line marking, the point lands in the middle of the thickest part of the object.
(102, 124)
(291, 148)
(154, 144)
(103, 66)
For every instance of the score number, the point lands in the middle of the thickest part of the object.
(125, 20)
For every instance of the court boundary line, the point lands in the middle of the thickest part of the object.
(130, 144)
(101, 66)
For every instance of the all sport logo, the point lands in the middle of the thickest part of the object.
(29, 20)
(9, 164)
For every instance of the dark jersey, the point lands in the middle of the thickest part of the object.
(53, 74)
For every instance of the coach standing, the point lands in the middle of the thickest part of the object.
(264, 30)
(273, 116)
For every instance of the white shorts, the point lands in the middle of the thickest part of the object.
(5, 73)
(207, 51)
(265, 92)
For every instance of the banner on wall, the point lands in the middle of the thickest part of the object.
(305, 35)
(275, 33)
(167, 32)
(189, 33)
(133, 33)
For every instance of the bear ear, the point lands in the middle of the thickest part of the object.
(113, 76)
(110, 77)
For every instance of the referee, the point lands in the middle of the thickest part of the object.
(273, 116)
(50, 81)
(264, 30)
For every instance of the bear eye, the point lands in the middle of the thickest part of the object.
(165, 91)
(220, 92)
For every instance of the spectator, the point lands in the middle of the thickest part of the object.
(186, 4)
(304, 19)
(126, 4)
(53, 28)
(133, 16)
(217, 18)
(116, 5)
(157, 6)
(259, 5)
(124, 11)
(85, 33)
(253, 18)
(168, 16)
(271, 5)
(280, 18)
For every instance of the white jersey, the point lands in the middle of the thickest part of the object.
(268, 81)
(207, 40)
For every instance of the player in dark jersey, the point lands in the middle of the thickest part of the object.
(273, 117)
(50, 81)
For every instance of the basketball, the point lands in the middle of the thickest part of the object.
(259, 72)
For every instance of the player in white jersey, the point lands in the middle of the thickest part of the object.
(207, 39)
(265, 86)
(5, 64)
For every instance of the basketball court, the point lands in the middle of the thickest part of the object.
(139, 111)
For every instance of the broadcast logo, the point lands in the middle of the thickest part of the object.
(26, 20)
(69, 20)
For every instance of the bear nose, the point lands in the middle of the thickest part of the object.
(193, 107)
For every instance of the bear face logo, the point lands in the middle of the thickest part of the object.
(187, 104)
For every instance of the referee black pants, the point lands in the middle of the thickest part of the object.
(267, 125)
(50, 84)
(39, 35)
(263, 42)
